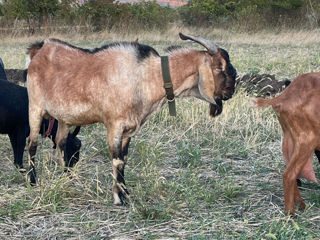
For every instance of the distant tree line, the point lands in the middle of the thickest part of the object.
(98, 15)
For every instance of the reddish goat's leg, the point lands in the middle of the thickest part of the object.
(298, 160)
(287, 146)
(35, 119)
(298, 199)
(116, 147)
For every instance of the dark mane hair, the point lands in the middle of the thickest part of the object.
(173, 48)
(143, 51)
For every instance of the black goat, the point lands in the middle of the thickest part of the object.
(2, 72)
(14, 121)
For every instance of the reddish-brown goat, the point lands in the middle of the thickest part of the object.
(119, 85)
(298, 112)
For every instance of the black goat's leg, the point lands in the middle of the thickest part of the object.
(18, 142)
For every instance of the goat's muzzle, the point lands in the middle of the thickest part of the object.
(227, 93)
(216, 109)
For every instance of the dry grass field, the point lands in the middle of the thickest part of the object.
(190, 177)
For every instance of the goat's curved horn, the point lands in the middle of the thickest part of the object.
(209, 45)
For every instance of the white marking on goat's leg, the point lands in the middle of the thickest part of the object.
(118, 181)
(118, 166)
(61, 141)
(35, 119)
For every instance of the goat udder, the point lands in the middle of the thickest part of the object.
(307, 172)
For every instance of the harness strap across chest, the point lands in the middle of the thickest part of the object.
(168, 86)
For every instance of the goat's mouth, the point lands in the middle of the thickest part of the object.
(216, 109)
(227, 95)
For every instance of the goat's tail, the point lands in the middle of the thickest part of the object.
(32, 51)
(261, 102)
(34, 48)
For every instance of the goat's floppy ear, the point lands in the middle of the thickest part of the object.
(76, 131)
(206, 82)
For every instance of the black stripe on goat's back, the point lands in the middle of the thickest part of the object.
(173, 48)
(144, 51)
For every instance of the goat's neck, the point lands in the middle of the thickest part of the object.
(184, 73)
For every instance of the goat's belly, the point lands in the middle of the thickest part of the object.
(75, 115)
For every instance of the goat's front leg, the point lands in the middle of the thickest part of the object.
(35, 119)
(298, 199)
(125, 148)
(117, 148)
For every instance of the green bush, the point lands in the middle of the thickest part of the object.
(102, 15)
(204, 12)
(68, 11)
(252, 14)
(31, 11)
(150, 15)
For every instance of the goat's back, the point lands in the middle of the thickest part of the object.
(303, 92)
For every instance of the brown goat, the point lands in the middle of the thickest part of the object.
(297, 109)
(119, 85)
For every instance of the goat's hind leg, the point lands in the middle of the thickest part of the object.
(61, 140)
(299, 158)
(35, 119)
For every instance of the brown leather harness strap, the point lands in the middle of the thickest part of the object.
(168, 86)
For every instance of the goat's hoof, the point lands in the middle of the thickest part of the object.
(22, 170)
(32, 178)
(302, 205)
(291, 212)
(121, 197)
